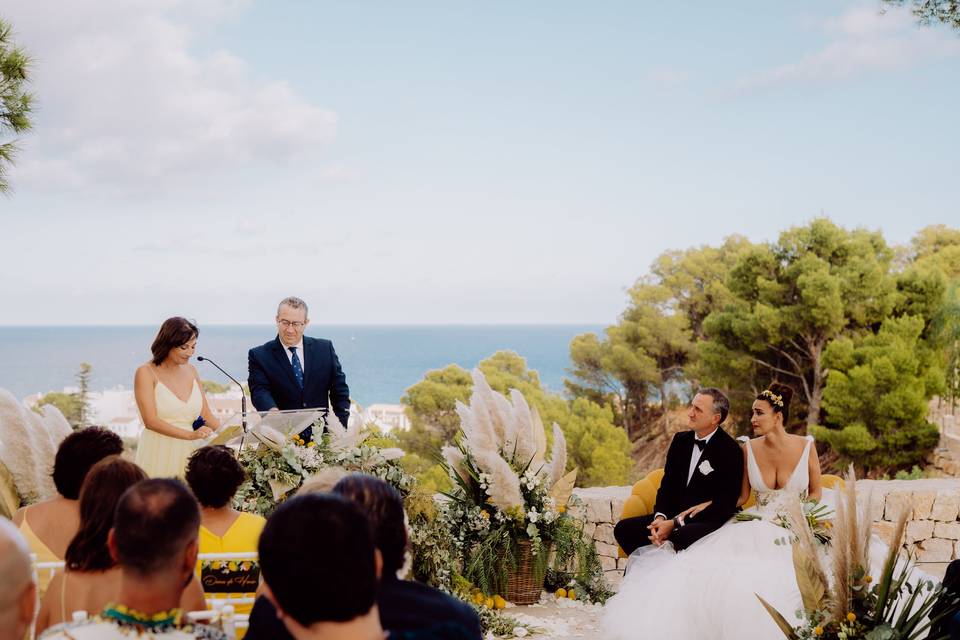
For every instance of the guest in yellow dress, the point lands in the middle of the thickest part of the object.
(171, 401)
(49, 526)
(214, 475)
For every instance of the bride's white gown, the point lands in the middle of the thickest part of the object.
(707, 591)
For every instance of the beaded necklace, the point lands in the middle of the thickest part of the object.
(126, 616)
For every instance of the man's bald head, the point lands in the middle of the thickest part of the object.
(17, 589)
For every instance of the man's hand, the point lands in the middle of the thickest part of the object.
(660, 530)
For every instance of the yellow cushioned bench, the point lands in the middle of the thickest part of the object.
(644, 495)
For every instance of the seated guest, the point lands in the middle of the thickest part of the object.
(18, 593)
(214, 475)
(49, 526)
(308, 602)
(91, 578)
(405, 605)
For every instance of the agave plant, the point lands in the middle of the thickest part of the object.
(842, 600)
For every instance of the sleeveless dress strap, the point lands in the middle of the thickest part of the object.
(63, 597)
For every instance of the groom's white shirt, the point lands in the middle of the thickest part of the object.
(697, 452)
(300, 354)
(694, 459)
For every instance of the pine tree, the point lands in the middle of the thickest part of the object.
(15, 103)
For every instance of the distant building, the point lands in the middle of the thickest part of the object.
(388, 416)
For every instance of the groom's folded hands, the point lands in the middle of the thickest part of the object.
(660, 530)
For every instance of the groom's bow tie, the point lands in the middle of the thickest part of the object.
(700, 443)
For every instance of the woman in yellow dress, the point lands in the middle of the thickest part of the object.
(49, 526)
(214, 475)
(171, 401)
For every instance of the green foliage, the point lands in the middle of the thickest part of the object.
(945, 335)
(431, 476)
(928, 12)
(792, 298)
(654, 342)
(431, 406)
(876, 396)
(209, 386)
(69, 404)
(596, 446)
(15, 103)
(83, 391)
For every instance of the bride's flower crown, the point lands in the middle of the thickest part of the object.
(774, 399)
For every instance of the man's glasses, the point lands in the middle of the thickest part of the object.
(286, 324)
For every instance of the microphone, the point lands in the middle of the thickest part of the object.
(243, 397)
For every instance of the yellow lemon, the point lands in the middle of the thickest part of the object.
(572, 594)
(499, 602)
(818, 631)
(478, 597)
(851, 617)
(561, 593)
(488, 603)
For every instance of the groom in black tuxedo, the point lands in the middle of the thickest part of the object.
(295, 372)
(703, 465)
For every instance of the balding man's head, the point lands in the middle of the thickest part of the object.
(155, 521)
(17, 590)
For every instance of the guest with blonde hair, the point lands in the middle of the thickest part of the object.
(18, 593)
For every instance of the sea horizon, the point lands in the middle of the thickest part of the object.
(380, 360)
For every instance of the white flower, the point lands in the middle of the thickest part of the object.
(519, 632)
(532, 515)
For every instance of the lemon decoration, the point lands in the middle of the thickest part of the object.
(561, 593)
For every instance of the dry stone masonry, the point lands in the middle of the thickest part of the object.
(933, 529)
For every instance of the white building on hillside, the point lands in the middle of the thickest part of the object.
(388, 416)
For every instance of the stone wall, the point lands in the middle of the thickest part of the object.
(933, 530)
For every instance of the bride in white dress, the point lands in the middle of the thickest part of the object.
(708, 591)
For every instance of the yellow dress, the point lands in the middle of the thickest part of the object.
(162, 456)
(242, 537)
(43, 552)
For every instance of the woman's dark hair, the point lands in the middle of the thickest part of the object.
(383, 507)
(106, 482)
(77, 453)
(778, 396)
(342, 543)
(214, 475)
(174, 332)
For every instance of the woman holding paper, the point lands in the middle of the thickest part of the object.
(172, 404)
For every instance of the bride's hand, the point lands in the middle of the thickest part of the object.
(202, 432)
(694, 510)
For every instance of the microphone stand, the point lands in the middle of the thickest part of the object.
(243, 397)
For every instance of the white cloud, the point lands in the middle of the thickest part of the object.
(862, 40)
(667, 77)
(126, 103)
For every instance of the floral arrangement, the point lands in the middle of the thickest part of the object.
(278, 464)
(509, 499)
(817, 516)
(841, 599)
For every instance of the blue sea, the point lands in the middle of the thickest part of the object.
(380, 361)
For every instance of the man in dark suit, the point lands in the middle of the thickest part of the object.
(295, 372)
(703, 465)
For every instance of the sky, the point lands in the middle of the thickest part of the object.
(450, 162)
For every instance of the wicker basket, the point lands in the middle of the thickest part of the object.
(524, 585)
